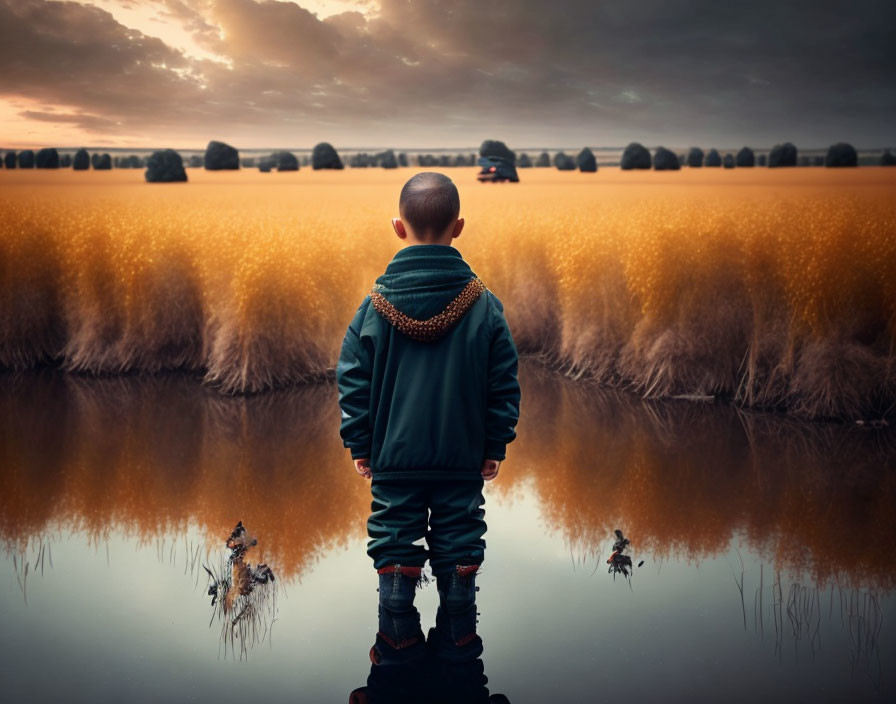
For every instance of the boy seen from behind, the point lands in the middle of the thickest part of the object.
(427, 380)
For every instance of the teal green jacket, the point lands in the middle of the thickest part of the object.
(427, 373)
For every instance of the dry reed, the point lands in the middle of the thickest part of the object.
(772, 289)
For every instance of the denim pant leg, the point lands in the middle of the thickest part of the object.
(456, 525)
(399, 620)
(397, 520)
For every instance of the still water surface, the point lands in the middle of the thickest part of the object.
(768, 549)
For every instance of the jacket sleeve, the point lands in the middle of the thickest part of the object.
(353, 372)
(503, 409)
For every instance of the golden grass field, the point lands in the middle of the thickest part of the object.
(770, 287)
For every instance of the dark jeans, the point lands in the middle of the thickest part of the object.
(448, 514)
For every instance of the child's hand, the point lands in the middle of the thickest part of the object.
(362, 466)
(490, 469)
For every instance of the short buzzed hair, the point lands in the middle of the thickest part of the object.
(429, 203)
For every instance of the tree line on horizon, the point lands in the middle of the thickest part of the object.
(168, 165)
(637, 156)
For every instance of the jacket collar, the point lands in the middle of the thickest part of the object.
(427, 256)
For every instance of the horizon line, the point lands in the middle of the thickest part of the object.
(397, 150)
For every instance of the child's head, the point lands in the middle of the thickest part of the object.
(429, 206)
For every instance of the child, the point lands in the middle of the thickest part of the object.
(427, 380)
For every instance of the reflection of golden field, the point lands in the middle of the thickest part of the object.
(775, 287)
(685, 479)
(148, 455)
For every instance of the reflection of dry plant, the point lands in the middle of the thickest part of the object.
(23, 565)
(692, 475)
(244, 595)
(134, 452)
(804, 613)
(688, 478)
(619, 562)
(863, 618)
(860, 616)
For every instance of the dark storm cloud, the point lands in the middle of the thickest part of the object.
(77, 56)
(449, 72)
(767, 68)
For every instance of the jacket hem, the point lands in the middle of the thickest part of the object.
(428, 475)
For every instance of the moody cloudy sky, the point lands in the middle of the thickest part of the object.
(412, 73)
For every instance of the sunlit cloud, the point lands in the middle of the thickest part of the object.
(394, 73)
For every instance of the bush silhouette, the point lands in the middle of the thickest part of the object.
(695, 157)
(324, 156)
(165, 166)
(586, 161)
(47, 158)
(745, 157)
(495, 148)
(782, 155)
(564, 162)
(635, 156)
(841, 154)
(665, 160)
(221, 157)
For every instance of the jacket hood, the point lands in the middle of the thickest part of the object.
(426, 282)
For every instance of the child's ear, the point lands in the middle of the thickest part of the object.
(458, 226)
(398, 226)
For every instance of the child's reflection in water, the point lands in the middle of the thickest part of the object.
(429, 672)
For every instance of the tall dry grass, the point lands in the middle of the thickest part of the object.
(773, 289)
